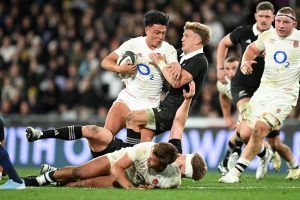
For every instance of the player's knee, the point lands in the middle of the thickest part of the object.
(274, 143)
(77, 174)
(90, 130)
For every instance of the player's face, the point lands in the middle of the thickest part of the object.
(230, 68)
(188, 41)
(153, 162)
(155, 35)
(284, 26)
(264, 19)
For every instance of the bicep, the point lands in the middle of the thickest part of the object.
(124, 162)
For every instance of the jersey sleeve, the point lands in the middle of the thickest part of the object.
(171, 54)
(260, 42)
(139, 151)
(124, 47)
(235, 35)
(172, 178)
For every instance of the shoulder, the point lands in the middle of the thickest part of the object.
(171, 177)
(242, 29)
(165, 45)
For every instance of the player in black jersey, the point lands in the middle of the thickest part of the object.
(194, 67)
(243, 86)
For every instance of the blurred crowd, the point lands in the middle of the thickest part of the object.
(50, 51)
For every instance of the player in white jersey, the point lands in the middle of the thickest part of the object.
(100, 172)
(146, 165)
(142, 92)
(147, 84)
(278, 91)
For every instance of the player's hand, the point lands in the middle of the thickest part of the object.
(127, 68)
(221, 74)
(230, 122)
(157, 57)
(191, 93)
(145, 187)
(246, 67)
(175, 70)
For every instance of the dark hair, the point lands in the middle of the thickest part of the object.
(232, 59)
(265, 5)
(165, 152)
(199, 167)
(156, 17)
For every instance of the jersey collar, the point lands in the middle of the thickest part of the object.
(256, 31)
(189, 55)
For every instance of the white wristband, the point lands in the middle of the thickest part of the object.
(161, 64)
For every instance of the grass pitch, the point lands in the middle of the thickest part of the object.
(272, 187)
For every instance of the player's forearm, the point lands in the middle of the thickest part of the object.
(250, 54)
(110, 65)
(222, 51)
(225, 103)
(121, 177)
(183, 112)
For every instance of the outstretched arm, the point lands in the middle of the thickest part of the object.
(225, 103)
(248, 58)
(182, 113)
(223, 47)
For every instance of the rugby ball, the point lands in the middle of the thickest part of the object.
(128, 56)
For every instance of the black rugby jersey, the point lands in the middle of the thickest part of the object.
(244, 36)
(197, 66)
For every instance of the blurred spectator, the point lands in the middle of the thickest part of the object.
(50, 50)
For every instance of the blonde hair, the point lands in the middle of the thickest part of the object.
(202, 30)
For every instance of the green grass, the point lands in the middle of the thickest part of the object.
(272, 187)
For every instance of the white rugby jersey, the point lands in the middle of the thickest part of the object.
(140, 174)
(282, 63)
(224, 88)
(148, 81)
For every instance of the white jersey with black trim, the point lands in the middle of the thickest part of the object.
(282, 63)
(148, 81)
(140, 173)
(224, 88)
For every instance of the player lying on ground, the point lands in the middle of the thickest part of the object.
(190, 165)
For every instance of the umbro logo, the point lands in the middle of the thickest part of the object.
(248, 41)
(242, 93)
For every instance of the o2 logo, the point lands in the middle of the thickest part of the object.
(145, 70)
(280, 57)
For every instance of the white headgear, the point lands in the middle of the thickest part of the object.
(188, 165)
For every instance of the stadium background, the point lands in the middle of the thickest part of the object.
(50, 74)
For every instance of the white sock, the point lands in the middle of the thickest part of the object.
(292, 164)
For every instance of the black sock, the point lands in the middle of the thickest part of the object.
(65, 133)
(49, 178)
(8, 166)
(230, 148)
(132, 137)
(263, 153)
(238, 144)
(240, 167)
(177, 144)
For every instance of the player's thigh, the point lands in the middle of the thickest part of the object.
(97, 182)
(147, 135)
(97, 167)
(115, 119)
